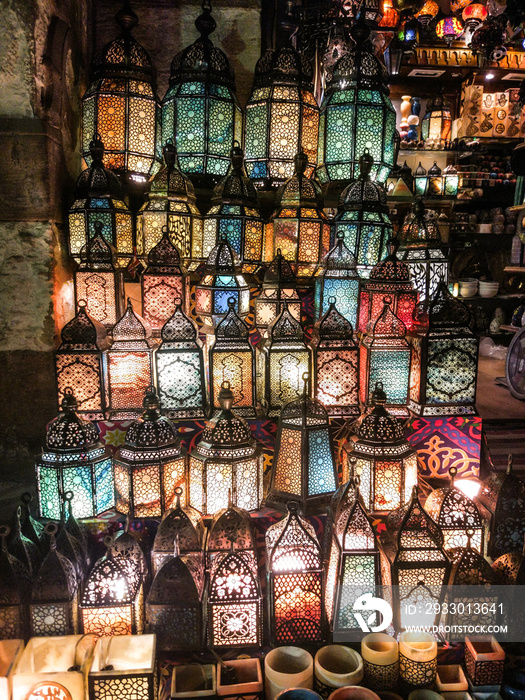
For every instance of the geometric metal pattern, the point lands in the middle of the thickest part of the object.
(338, 278)
(417, 673)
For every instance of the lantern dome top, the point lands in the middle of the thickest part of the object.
(279, 272)
(391, 268)
(112, 582)
(125, 544)
(501, 485)
(170, 181)
(339, 257)
(299, 190)
(14, 576)
(469, 567)
(450, 507)
(291, 543)
(304, 411)
(80, 333)
(222, 259)
(164, 257)
(333, 325)
(420, 227)
(179, 582)
(379, 425)
(97, 252)
(232, 326)
(446, 311)
(179, 328)
(182, 524)
(285, 327)
(226, 434)
(68, 431)
(236, 187)
(284, 66)
(129, 332)
(231, 527)
(434, 171)
(56, 579)
(96, 180)
(152, 430)
(360, 67)
(387, 324)
(363, 193)
(418, 531)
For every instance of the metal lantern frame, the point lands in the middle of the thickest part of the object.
(435, 181)
(15, 586)
(279, 285)
(231, 527)
(420, 180)
(436, 124)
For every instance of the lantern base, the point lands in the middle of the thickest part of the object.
(430, 410)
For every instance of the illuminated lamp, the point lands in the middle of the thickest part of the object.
(457, 5)
(427, 13)
(404, 41)
(420, 181)
(450, 181)
(126, 544)
(338, 278)
(436, 125)
(449, 29)
(15, 586)
(390, 16)
(473, 15)
(435, 181)
(279, 285)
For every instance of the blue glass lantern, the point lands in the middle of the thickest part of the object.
(338, 278)
(200, 111)
(363, 219)
(279, 285)
(356, 114)
(74, 460)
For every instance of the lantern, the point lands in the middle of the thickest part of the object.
(457, 5)
(385, 357)
(124, 667)
(386, 464)
(282, 361)
(163, 283)
(447, 360)
(200, 111)
(501, 502)
(98, 199)
(227, 458)
(126, 544)
(509, 569)
(449, 29)
(179, 367)
(232, 359)
(22, 547)
(408, 34)
(234, 601)
(435, 181)
(128, 366)
(294, 580)
(15, 587)
(390, 16)
(304, 467)
(54, 596)
(420, 181)
(336, 364)
(427, 13)
(78, 364)
(473, 15)
(150, 465)
(437, 123)
(356, 114)
(450, 181)
(390, 277)
(469, 566)
(32, 528)
(231, 527)
(121, 105)
(174, 604)
(97, 284)
(338, 278)
(75, 460)
(72, 538)
(363, 219)
(171, 202)
(298, 226)
(422, 250)
(221, 281)
(279, 285)
(282, 117)
(234, 215)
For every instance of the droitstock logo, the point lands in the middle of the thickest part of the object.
(369, 603)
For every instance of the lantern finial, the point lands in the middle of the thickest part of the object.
(69, 402)
(366, 163)
(452, 472)
(205, 23)
(151, 400)
(51, 530)
(169, 153)
(96, 149)
(510, 463)
(126, 18)
(378, 395)
(237, 157)
(226, 396)
(293, 507)
(300, 162)
(178, 494)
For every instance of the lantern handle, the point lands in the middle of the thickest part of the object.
(76, 666)
(51, 530)
(470, 534)
(178, 494)
(4, 534)
(452, 473)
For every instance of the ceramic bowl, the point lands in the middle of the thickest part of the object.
(488, 289)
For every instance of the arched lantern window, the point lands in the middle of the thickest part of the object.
(386, 464)
(99, 199)
(282, 361)
(180, 367)
(24, 548)
(337, 277)
(75, 460)
(126, 544)
(32, 528)
(231, 526)
(298, 226)
(336, 364)
(356, 114)
(232, 360)
(15, 587)
(279, 285)
(200, 111)
(436, 125)
(171, 202)
(363, 219)
(128, 366)
(72, 537)
(234, 215)
(294, 580)
(150, 465)
(227, 459)
(121, 105)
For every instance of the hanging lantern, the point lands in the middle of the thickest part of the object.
(200, 111)
(179, 365)
(221, 281)
(150, 465)
(457, 5)
(128, 366)
(450, 181)
(97, 283)
(501, 502)
(449, 29)
(279, 285)
(390, 277)
(338, 278)
(455, 513)
(234, 215)
(298, 226)
(232, 360)
(98, 200)
(473, 15)
(408, 34)
(436, 125)
(337, 45)
(227, 458)
(54, 595)
(386, 464)
(75, 460)
(385, 357)
(304, 467)
(356, 114)
(420, 181)
(363, 219)
(163, 282)
(427, 13)
(423, 251)
(336, 364)
(390, 17)
(447, 360)
(78, 364)
(174, 603)
(294, 580)
(282, 361)
(171, 202)
(124, 667)
(15, 586)
(435, 181)
(231, 527)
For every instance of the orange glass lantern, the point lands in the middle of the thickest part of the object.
(436, 125)
(390, 17)
(279, 285)
(427, 13)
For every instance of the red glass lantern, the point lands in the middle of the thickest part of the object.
(390, 17)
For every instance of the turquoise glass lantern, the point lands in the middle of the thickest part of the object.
(338, 278)
(200, 111)
(420, 180)
(363, 219)
(356, 114)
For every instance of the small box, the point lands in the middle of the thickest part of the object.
(484, 659)
(194, 681)
(451, 678)
(249, 684)
(10, 651)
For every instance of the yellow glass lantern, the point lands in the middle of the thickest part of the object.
(427, 13)
(337, 277)
(279, 285)
(436, 125)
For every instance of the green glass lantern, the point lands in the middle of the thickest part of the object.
(200, 111)
(121, 105)
(171, 202)
(234, 215)
(363, 219)
(356, 114)
(420, 181)
(279, 285)
(450, 181)
(98, 200)
(338, 278)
